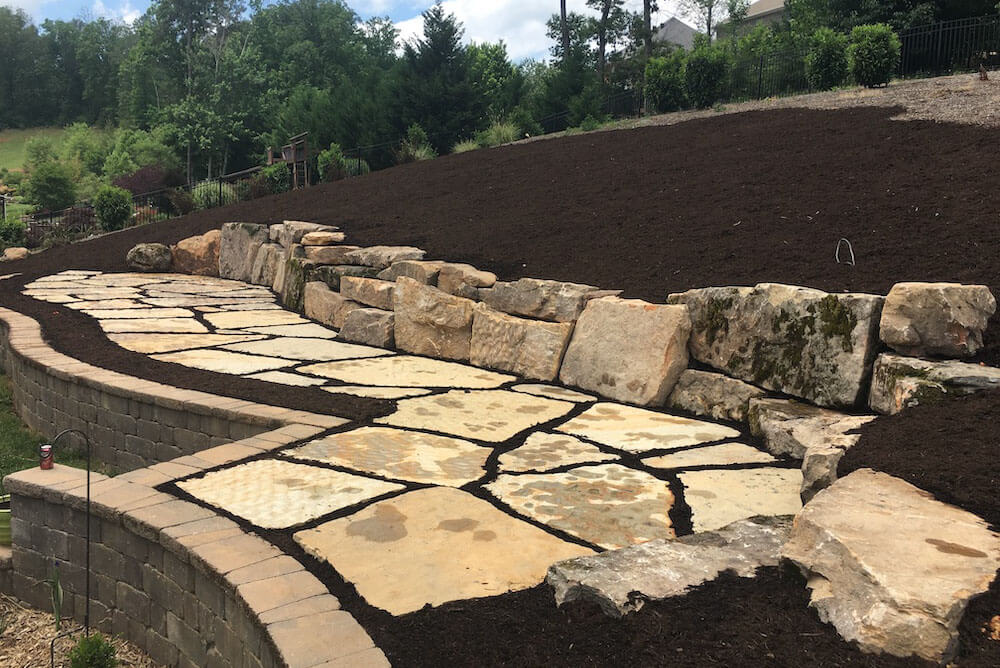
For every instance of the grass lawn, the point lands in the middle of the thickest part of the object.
(18, 444)
(12, 143)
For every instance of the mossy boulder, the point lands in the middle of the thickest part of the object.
(803, 342)
(238, 249)
(901, 382)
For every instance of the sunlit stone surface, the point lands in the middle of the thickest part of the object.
(543, 452)
(718, 498)
(713, 455)
(406, 371)
(223, 362)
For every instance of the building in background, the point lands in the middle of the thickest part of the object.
(676, 33)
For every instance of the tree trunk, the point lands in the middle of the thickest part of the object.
(711, 7)
(602, 40)
(647, 17)
(565, 29)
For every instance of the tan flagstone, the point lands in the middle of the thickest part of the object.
(221, 361)
(208, 309)
(156, 325)
(308, 349)
(407, 371)
(543, 452)
(241, 319)
(720, 497)
(168, 343)
(108, 304)
(105, 293)
(378, 392)
(286, 378)
(401, 455)
(639, 430)
(310, 331)
(116, 314)
(127, 280)
(432, 546)
(252, 306)
(198, 300)
(609, 505)
(276, 494)
(56, 286)
(51, 297)
(554, 392)
(485, 415)
(713, 455)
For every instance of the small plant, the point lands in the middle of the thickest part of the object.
(416, 146)
(498, 134)
(465, 146)
(56, 595)
(873, 54)
(93, 651)
(113, 207)
(706, 74)
(589, 124)
(209, 194)
(826, 62)
(12, 232)
(665, 82)
(332, 164)
(276, 178)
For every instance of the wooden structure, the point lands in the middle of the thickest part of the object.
(295, 154)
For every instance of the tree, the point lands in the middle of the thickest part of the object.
(496, 80)
(707, 13)
(608, 29)
(50, 187)
(564, 26)
(648, 7)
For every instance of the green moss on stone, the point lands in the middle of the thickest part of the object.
(836, 320)
(715, 321)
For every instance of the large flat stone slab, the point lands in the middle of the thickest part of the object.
(154, 325)
(484, 415)
(275, 494)
(168, 343)
(288, 378)
(326, 306)
(433, 546)
(608, 505)
(638, 430)
(720, 497)
(528, 348)
(307, 349)
(557, 301)
(406, 371)
(378, 392)
(713, 395)
(430, 322)
(310, 331)
(937, 319)
(725, 454)
(542, 452)
(381, 257)
(242, 319)
(901, 382)
(792, 428)
(663, 568)
(803, 342)
(627, 349)
(554, 392)
(150, 313)
(889, 566)
(221, 361)
(400, 454)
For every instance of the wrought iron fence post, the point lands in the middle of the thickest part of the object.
(220, 190)
(760, 77)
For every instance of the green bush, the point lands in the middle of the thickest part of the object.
(208, 195)
(415, 147)
(357, 167)
(589, 124)
(498, 134)
(665, 82)
(50, 187)
(826, 62)
(332, 164)
(12, 232)
(706, 75)
(277, 178)
(113, 207)
(93, 651)
(873, 54)
(465, 146)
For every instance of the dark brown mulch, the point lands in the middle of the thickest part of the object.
(720, 201)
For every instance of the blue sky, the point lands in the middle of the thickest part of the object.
(520, 23)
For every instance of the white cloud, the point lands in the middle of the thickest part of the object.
(125, 12)
(519, 23)
(30, 7)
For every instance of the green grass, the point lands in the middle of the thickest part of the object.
(12, 143)
(18, 444)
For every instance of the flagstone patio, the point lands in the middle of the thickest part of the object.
(471, 487)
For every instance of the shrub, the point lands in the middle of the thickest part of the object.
(113, 207)
(78, 219)
(873, 54)
(277, 178)
(589, 124)
(209, 194)
(93, 651)
(332, 164)
(357, 167)
(38, 151)
(180, 201)
(826, 62)
(665, 82)
(148, 179)
(415, 147)
(12, 232)
(465, 146)
(706, 74)
(50, 187)
(498, 134)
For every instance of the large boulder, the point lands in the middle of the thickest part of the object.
(368, 291)
(529, 348)
(381, 257)
(937, 319)
(369, 326)
(14, 254)
(332, 275)
(198, 255)
(621, 581)
(323, 238)
(238, 249)
(889, 566)
(629, 350)
(713, 395)
(292, 232)
(545, 300)
(803, 342)
(422, 271)
(325, 306)
(293, 288)
(900, 382)
(464, 280)
(149, 258)
(329, 254)
(265, 265)
(430, 322)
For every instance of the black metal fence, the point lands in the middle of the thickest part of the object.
(774, 74)
(950, 47)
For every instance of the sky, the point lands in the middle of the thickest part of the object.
(519, 23)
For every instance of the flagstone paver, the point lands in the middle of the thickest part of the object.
(638, 430)
(543, 452)
(610, 505)
(486, 415)
(554, 392)
(434, 546)
(164, 325)
(240, 319)
(407, 371)
(311, 331)
(378, 392)
(308, 349)
(276, 494)
(168, 343)
(221, 361)
(721, 497)
(286, 378)
(713, 455)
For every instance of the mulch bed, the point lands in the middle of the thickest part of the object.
(732, 200)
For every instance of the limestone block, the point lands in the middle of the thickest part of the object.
(889, 566)
(369, 291)
(323, 238)
(332, 275)
(422, 271)
(370, 326)
(381, 257)
(713, 395)
(296, 276)
(937, 319)
(291, 232)
(329, 254)
(791, 428)
(265, 265)
(238, 249)
(799, 341)
(900, 382)
(545, 300)
(464, 280)
(198, 255)
(528, 348)
(326, 306)
(14, 254)
(149, 258)
(430, 322)
(629, 350)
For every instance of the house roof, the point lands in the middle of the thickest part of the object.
(764, 7)
(676, 32)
